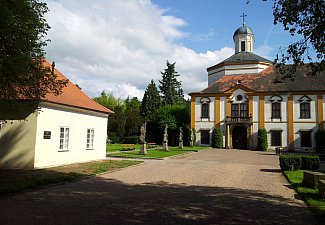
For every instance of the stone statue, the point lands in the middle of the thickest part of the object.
(143, 148)
(191, 138)
(165, 139)
(143, 133)
(180, 138)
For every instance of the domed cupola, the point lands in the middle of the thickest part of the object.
(244, 39)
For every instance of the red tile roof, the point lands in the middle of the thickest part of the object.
(265, 81)
(72, 96)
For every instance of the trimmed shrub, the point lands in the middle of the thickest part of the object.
(310, 162)
(131, 139)
(114, 139)
(217, 141)
(290, 162)
(320, 141)
(262, 139)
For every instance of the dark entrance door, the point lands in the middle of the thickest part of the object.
(205, 137)
(239, 137)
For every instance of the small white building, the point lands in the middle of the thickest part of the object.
(245, 93)
(68, 128)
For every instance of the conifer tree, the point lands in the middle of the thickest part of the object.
(151, 101)
(170, 87)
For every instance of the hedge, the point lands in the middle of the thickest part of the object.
(295, 162)
(131, 140)
(310, 162)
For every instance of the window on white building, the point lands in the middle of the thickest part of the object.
(205, 108)
(242, 45)
(90, 138)
(305, 138)
(239, 110)
(64, 138)
(304, 107)
(276, 137)
(276, 110)
(305, 110)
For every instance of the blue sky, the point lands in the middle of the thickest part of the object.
(211, 23)
(118, 46)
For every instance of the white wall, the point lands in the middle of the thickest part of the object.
(47, 152)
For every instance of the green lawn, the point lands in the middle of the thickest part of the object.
(310, 195)
(13, 181)
(157, 153)
(119, 147)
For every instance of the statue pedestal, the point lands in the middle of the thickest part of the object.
(180, 145)
(191, 143)
(143, 148)
(165, 146)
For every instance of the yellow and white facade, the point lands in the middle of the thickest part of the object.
(244, 94)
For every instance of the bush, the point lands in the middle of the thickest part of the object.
(217, 141)
(290, 162)
(320, 141)
(131, 139)
(262, 139)
(114, 139)
(310, 162)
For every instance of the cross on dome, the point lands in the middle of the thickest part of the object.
(244, 15)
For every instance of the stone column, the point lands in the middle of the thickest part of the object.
(180, 144)
(143, 148)
(165, 139)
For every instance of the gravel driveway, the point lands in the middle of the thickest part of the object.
(208, 187)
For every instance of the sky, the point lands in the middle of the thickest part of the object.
(118, 46)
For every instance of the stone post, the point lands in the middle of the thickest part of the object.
(180, 145)
(191, 138)
(165, 139)
(143, 148)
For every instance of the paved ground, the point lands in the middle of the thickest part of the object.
(209, 187)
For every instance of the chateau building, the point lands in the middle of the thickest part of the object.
(245, 93)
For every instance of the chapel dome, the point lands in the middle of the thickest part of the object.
(243, 30)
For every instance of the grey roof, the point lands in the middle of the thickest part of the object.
(243, 30)
(246, 57)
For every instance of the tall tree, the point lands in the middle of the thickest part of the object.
(133, 117)
(305, 18)
(22, 72)
(170, 87)
(151, 101)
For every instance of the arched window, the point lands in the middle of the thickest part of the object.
(276, 106)
(205, 107)
(304, 107)
(276, 110)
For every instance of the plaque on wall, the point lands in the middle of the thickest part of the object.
(47, 135)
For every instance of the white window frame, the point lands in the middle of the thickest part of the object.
(90, 138)
(64, 138)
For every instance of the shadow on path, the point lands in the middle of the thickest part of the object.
(107, 201)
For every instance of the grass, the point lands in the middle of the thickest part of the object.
(309, 195)
(13, 181)
(158, 153)
(119, 147)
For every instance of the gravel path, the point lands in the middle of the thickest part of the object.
(208, 187)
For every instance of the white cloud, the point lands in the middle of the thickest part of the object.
(119, 46)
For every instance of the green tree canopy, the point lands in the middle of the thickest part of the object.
(173, 116)
(151, 101)
(109, 101)
(133, 117)
(170, 87)
(22, 32)
(304, 18)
